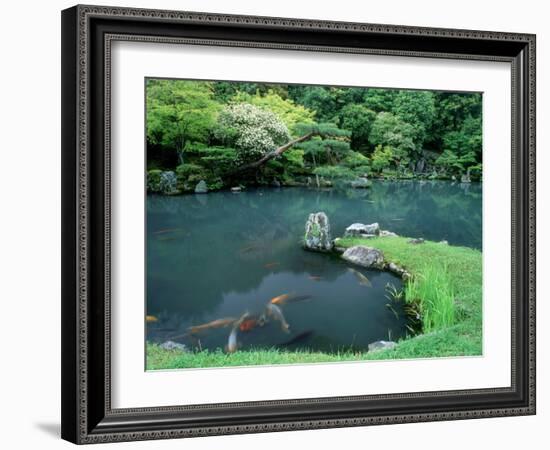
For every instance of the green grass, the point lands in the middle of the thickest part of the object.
(431, 293)
(447, 283)
(158, 358)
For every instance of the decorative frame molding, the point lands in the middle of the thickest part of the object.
(87, 34)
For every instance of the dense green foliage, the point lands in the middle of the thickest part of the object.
(294, 133)
(456, 331)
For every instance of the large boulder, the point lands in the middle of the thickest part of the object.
(362, 230)
(317, 236)
(201, 187)
(168, 182)
(368, 257)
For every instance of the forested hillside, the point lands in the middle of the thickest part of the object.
(230, 134)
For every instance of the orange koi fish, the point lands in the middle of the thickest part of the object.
(218, 323)
(248, 325)
(279, 299)
(151, 319)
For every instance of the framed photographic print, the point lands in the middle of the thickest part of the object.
(280, 224)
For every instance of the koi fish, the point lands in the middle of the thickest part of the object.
(315, 278)
(249, 324)
(232, 343)
(218, 323)
(279, 299)
(297, 298)
(275, 312)
(271, 265)
(151, 319)
(363, 280)
(167, 230)
(294, 299)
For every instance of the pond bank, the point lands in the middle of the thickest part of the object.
(463, 338)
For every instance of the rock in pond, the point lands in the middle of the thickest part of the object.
(415, 241)
(362, 230)
(171, 345)
(465, 178)
(386, 233)
(399, 271)
(317, 236)
(201, 187)
(168, 182)
(368, 257)
(381, 345)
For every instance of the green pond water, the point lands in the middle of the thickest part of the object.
(221, 254)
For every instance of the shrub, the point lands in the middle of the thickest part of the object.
(188, 175)
(153, 180)
(184, 170)
(355, 159)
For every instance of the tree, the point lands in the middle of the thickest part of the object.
(323, 100)
(467, 140)
(389, 131)
(249, 135)
(454, 164)
(251, 130)
(382, 158)
(358, 119)
(379, 100)
(289, 112)
(416, 108)
(178, 113)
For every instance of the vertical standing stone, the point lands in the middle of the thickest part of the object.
(317, 236)
(168, 182)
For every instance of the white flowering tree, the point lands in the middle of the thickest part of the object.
(251, 130)
(259, 135)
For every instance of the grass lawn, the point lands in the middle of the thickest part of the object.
(463, 338)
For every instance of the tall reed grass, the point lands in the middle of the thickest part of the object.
(432, 291)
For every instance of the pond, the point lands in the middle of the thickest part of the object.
(222, 254)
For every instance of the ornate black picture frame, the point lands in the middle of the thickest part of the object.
(87, 34)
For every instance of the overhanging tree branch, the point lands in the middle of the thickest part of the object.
(273, 154)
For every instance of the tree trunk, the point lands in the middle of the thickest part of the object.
(273, 154)
(180, 157)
